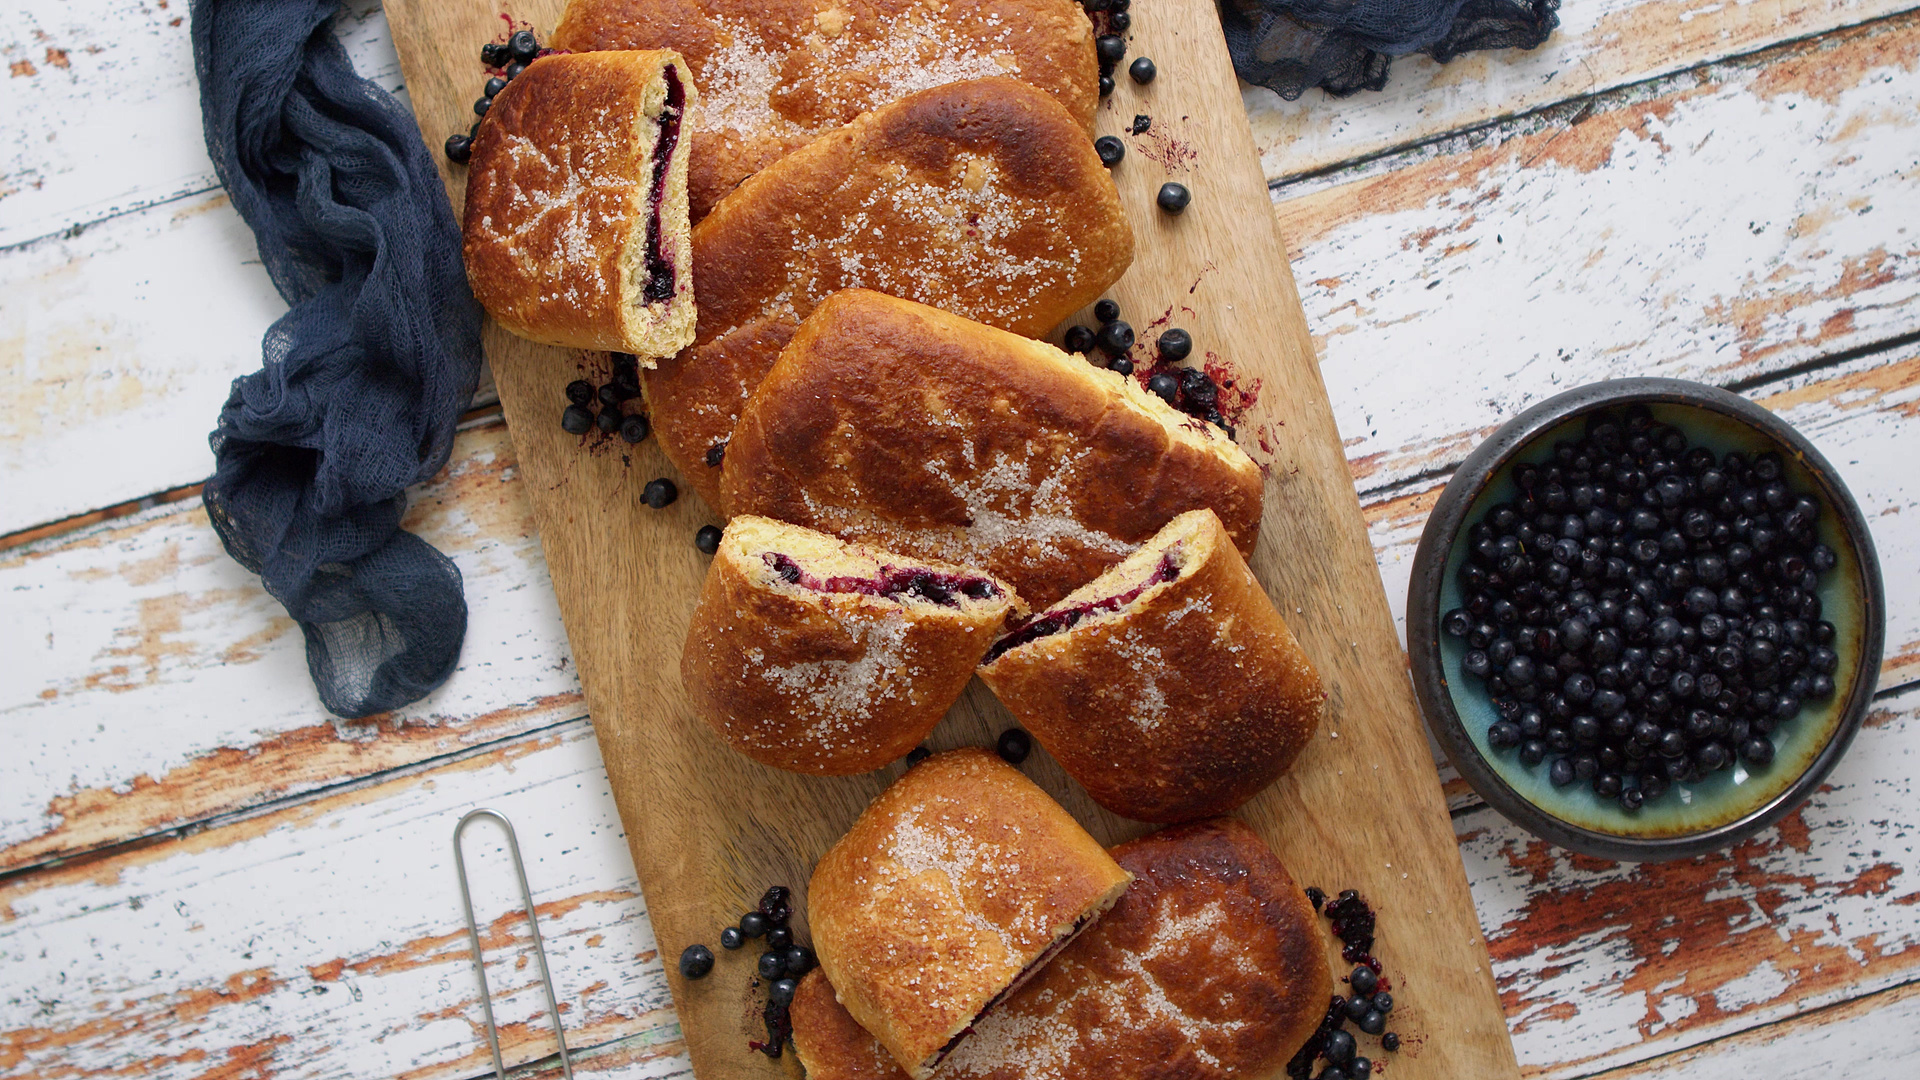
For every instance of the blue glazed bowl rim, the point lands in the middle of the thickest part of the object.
(1429, 567)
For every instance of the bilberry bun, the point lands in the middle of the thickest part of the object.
(956, 884)
(1169, 687)
(778, 76)
(816, 656)
(575, 224)
(984, 198)
(1211, 966)
(912, 429)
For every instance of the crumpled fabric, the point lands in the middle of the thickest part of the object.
(1345, 46)
(364, 377)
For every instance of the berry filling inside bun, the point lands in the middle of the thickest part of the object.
(1069, 613)
(660, 272)
(892, 582)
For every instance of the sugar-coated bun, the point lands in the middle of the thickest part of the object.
(903, 426)
(780, 73)
(575, 224)
(1212, 966)
(984, 198)
(955, 884)
(1169, 686)
(809, 654)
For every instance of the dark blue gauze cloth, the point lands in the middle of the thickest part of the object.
(365, 375)
(1344, 46)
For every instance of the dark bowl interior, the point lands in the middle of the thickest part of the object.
(1729, 804)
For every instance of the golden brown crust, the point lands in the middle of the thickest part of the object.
(780, 73)
(1211, 966)
(1184, 704)
(983, 198)
(559, 198)
(902, 426)
(948, 888)
(827, 683)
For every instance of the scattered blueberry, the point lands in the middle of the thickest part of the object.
(1120, 22)
(1079, 340)
(1110, 149)
(514, 69)
(716, 454)
(636, 428)
(1142, 70)
(1122, 366)
(1165, 385)
(609, 420)
(1114, 338)
(732, 938)
(580, 392)
(772, 965)
(707, 539)
(1175, 345)
(800, 960)
(577, 420)
(1142, 123)
(696, 961)
(495, 85)
(776, 904)
(459, 149)
(1390, 1042)
(1106, 310)
(481, 105)
(1363, 980)
(1383, 1001)
(493, 54)
(1356, 1007)
(1340, 1047)
(753, 924)
(917, 755)
(1014, 745)
(1106, 85)
(523, 46)
(1361, 1069)
(659, 493)
(1373, 1022)
(781, 992)
(609, 395)
(1173, 198)
(780, 939)
(1110, 49)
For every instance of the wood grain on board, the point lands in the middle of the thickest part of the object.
(710, 829)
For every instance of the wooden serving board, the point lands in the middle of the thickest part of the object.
(709, 829)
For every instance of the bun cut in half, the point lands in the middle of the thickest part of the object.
(1211, 967)
(953, 887)
(575, 225)
(816, 656)
(904, 426)
(1169, 686)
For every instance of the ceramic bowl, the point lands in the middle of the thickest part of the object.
(1691, 818)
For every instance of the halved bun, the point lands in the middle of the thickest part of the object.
(953, 887)
(1169, 686)
(817, 656)
(575, 225)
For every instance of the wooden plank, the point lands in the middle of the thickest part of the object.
(103, 110)
(151, 682)
(1601, 45)
(324, 939)
(1869, 1037)
(1605, 964)
(702, 848)
(1722, 225)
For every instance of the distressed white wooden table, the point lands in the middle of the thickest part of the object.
(201, 875)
